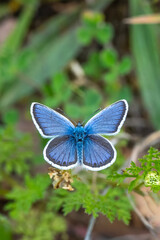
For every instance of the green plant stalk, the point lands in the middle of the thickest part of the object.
(14, 41)
(144, 41)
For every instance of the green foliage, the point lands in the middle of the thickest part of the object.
(27, 61)
(5, 228)
(94, 28)
(50, 48)
(125, 65)
(41, 225)
(11, 117)
(32, 206)
(9, 55)
(114, 204)
(92, 67)
(104, 65)
(15, 148)
(72, 99)
(23, 198)
(52, 92)
(146, 174)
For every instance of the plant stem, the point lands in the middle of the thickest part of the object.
(90, 228)
(142, 218)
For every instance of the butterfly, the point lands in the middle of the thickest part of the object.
(72, 145)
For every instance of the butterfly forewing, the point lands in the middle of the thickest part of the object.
(99, 153)
(49, 122)
(61, 152)
(109, 120)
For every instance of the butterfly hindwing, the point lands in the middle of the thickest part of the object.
(108, 121)
(98, 154)
(49, 122)
(61, 153)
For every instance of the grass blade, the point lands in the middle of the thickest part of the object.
(145, 49)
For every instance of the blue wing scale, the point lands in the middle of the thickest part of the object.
(49, 122)
(99, 153)
(108, 121)
(60, 152)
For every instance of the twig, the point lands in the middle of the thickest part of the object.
(92, 219)
(151, 140)
(90, 228)
(142, 218)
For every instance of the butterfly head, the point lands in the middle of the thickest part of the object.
(79, 124)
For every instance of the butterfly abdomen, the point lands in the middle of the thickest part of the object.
(80, 152)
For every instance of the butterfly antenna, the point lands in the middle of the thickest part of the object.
(62, 112)
(92, 115)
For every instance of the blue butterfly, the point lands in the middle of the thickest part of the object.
(71, 145)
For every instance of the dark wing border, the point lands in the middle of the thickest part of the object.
(57, 141)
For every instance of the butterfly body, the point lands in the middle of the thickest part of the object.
(79, 135)
(71, 145)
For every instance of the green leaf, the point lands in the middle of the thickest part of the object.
(52, 96)
(58, 82)
(113, 205)
(133, 184)
(104, 33)
(108, 57)
(111, 77)
(116, 177)
(93, 67)
(23, 198)
(72, 110)
(134, 169)
(92, 98)
(11, 116)
(52, 101)
(125, 66)
(42, 225)
(85, 35)
(92, 19)
(15, 151)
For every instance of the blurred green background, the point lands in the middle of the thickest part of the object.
(77, 56)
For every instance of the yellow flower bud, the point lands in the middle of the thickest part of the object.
(152, 179)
